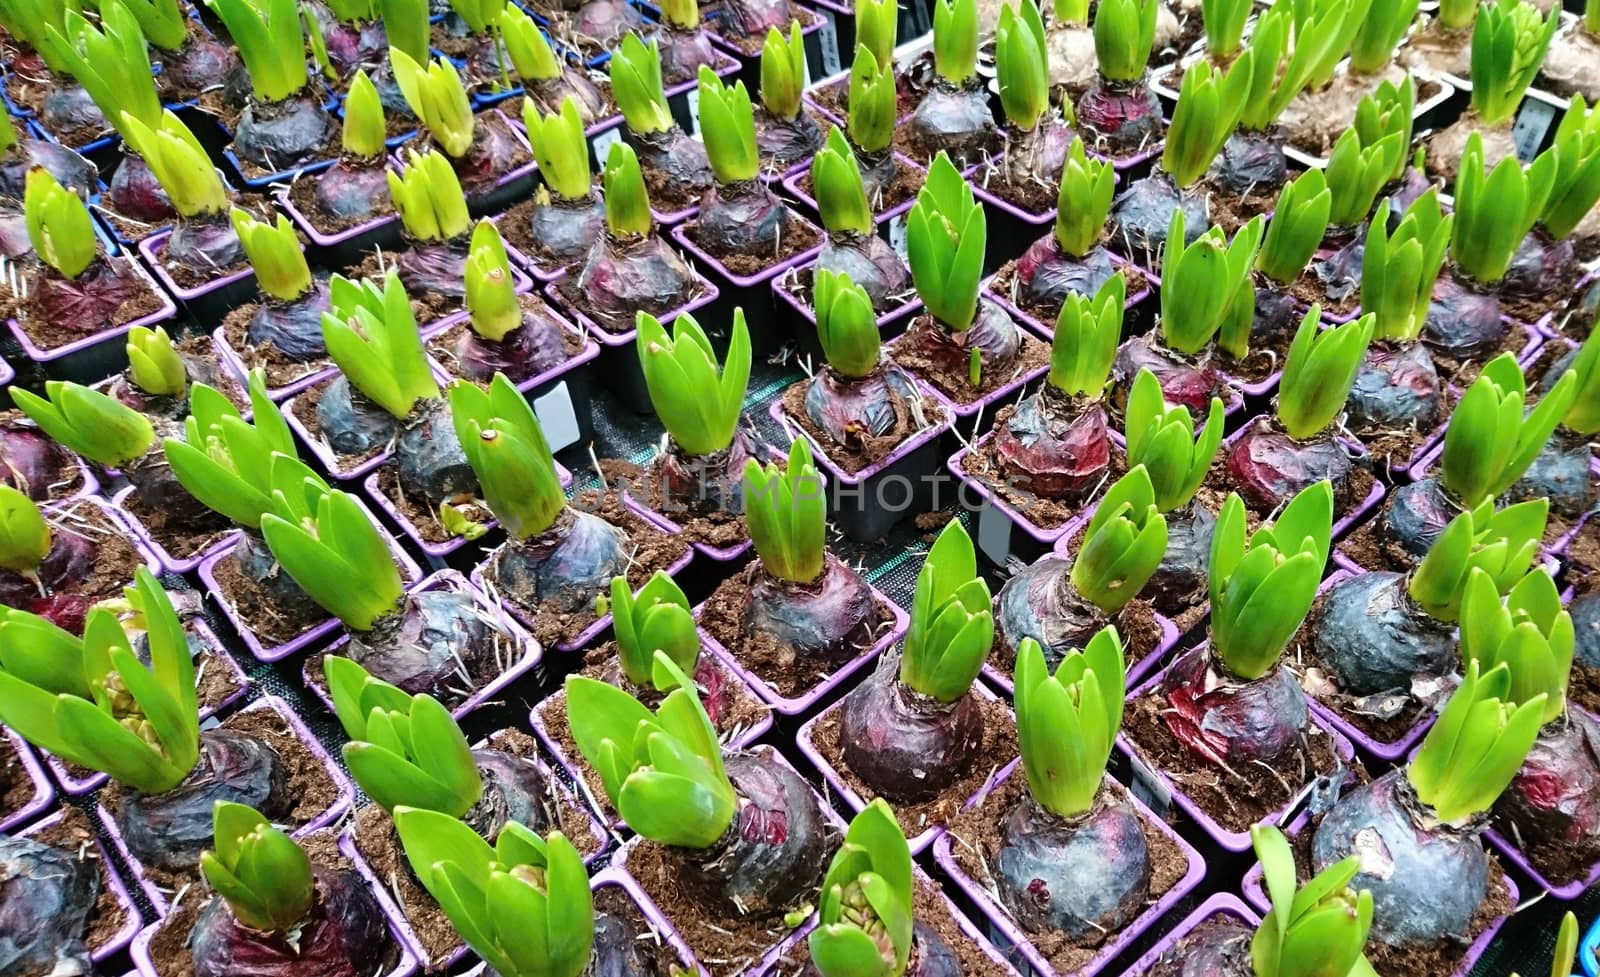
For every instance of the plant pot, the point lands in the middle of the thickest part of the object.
(752, 293)
(890, 220)
(1434, 110)
(859, 503)
(1012, 228)
(1356, 512)
(330, 769)
(93, 358)
(803, 701)
(1014, 940)
(204, 303)
(523, 652)
(1570, 892)
(853, 802)
(110, 880)
(30, 769)
(1257, 897)
(1160, 793)
(795, 318)
(435, 554)
(165, 562)
(618, 362)
(344, 248)
(1224, 904)
(508, 188)
(262, 649)
(338, 468)
(969, 415)
(748, 51)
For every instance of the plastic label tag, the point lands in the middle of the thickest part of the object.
(1150, 788)
(604, 142)
(1529, 131)
(897, 236)
(556, 416)
(693, 97)
(994, 534)
(829, 35)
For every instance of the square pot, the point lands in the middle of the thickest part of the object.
(506, 190)
(802, 703)
(311, 636)
(43, 795)
(93, 358)
(159, 900)
(752, 293)
(346, 247)
(1014, 940)
(618, 362)
(891, 221)
(112, 880)
(323, 457)
(1570, 892)
(165, 561)
(969, 415)
(854, 803)
(1358, 511)
(811, 24)
(434, 554)
(858, 503)
(1221, 904)
(1004, 533)
(205, 303)
(519, 643)
(1257, 897)
(798, 321)
(1151, 782)
(1435, 111)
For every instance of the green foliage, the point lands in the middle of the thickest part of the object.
(1495, 212)
(1299, 221)
(1509, 41)
(87, 422)
(528, 49)
(180, 164)
(428, 197)
(154, 364)
(1085, 344)
(1200, 282)
(1398, 270)
(276, 254)
(1210, 105)
(492, 300)
(364, 128)
(787, 512)
(657, 618)
(1318, 372)
(271, 44)
(627, 202)
(1317, 930)
(1382, 30)
(1067, 722)
(1122, 546)
(1224, 22)
(1088, 184)
(952, 626)
(225, 461)
(727, 124)
(377, 344)
(560, 148)
(874, 102)
(263, 876)
(163, 23)
(864, 926)
(1161, 440)
(437, 98)
(1476, 746)
(479, 15)
(111, 62)
(877, 23)
(59, 227)
(1284, 69)
(1388, 111)
(1341, 31)
(1583, 417)
(783, 72)
(1501, 543)
(1022, 64)
(406, 24)
(502, 439)
(636, 85)
(697, 403)
(846, 324)
(836, 181)
(1124, 31)
(1358, 172)
(1530, 633)
(1575, 188)
(24, 534)
(945, 239)
(1489, 443)
(955, 40)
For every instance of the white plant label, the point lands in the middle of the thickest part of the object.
(1150, 788)
(1532, 123)
(994, 534)
(829, 35)
(897, 236)
(604, 142)
(693, 96)
(556, 416)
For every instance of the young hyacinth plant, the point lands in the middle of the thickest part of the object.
(1378, 630)
(1072, 259)
(288, 318)
(663, 147)
(739, 214)
(1429, 815)
(507, 335)
(1300, 221)
(1545, 260)
(1490, 443)
(946, 235)
(1231, 702)
(1282, 456)
(92, 702)
(1209, 107)
(568, 216)
(1558, 473)
(284, 124)
(1055, 444)
(44, 564)
(1062, 605)
(1327, 104)
(684, 47)
(1319, 929)
(1037, 136)
(1120, 112)
(874, 110)
(665, 772)
(657, 618)
(549, 81)
(630, 268)
(1547, 806)
(478, 154)
(271, 896)
(915, 729)
(953, 116)
(1069, 44)
(523, 905)
(786, 132)
(1383, 29)
(1073, 831)
(406, 751)
(74, 286)
(347, 36)
(555, 554)
(356, 187)
(853, 246)
(202, 242)
(433, 211)
(865, 925)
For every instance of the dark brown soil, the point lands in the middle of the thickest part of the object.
(16, 787)
(115, 559)
(442, 348)
(761, 653)
(652, 550)
(1309, 289)
(984, 465)
(1235, 799)
(29, 93)
(303, 194)
(905, 186)
(999, 748)
(1583, 690)
(1554, 293)
(182, 537)
(423, 518)
(574, 298)
(1399, 447)
(1583, 550)
(1231, 211)
(668, 196)
(1369, 550)
(271, 624)
(378, 843)
(1319, 684)
(975, 843)
(834, 98)
(304, 406)
(741, 711)
(1033, 356)
(1136, 625)
(75, 833)
(49, 334)
(698, 520)
(280, 370)
(1032, 196)
(799, 238)
(215, 680)
(1004, 284)
(855, 458)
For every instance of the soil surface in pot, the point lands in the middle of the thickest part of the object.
(799, 238)
(762, 654)
(423, 519)
(1044, 513)
(733, 709)
(17, 789)
(76, 833)
(750, 46)
(303, 194)
(855, 458)
(1136, 624)
(50, 333)
(442, 347)
(975, 842)
(908, 179)
(280, 370)
(999, 748)
(115, 559)
(652, 550)
(668, 196)
(260, 614)
(1032, 357)
(1005, 287)
(698, 520)
(1231, 210)
(376, 840)
(182, 538)
(1311, 290)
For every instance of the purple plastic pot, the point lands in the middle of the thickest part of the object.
(811, 24)
(585, 637)
(813, 94)
(1569, 892)
(506, 190)
(7, 374)
(1154, 783)
(826, 686)
(618, 363)
(204, 303)
(858, 502)
(346, 247)
(165, 561)
(752, 293)
(433, 553)
(112, 881)
(95, 357)
(797, 320)
(43, 795)
(76, 784)
(159, 898)
(325, 458)
(1222, 904)
(1013, 939)
(310, 637)
(1551, 325)
(572, 766)
(840, 788)
(1561, 550)
(891, 221)
(520, 643)
(382, 889)
(1005, 534)
(241, 371)
(969, 415)
(1257, 897)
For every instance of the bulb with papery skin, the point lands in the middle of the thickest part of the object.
(46, 897)
(344, 935)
